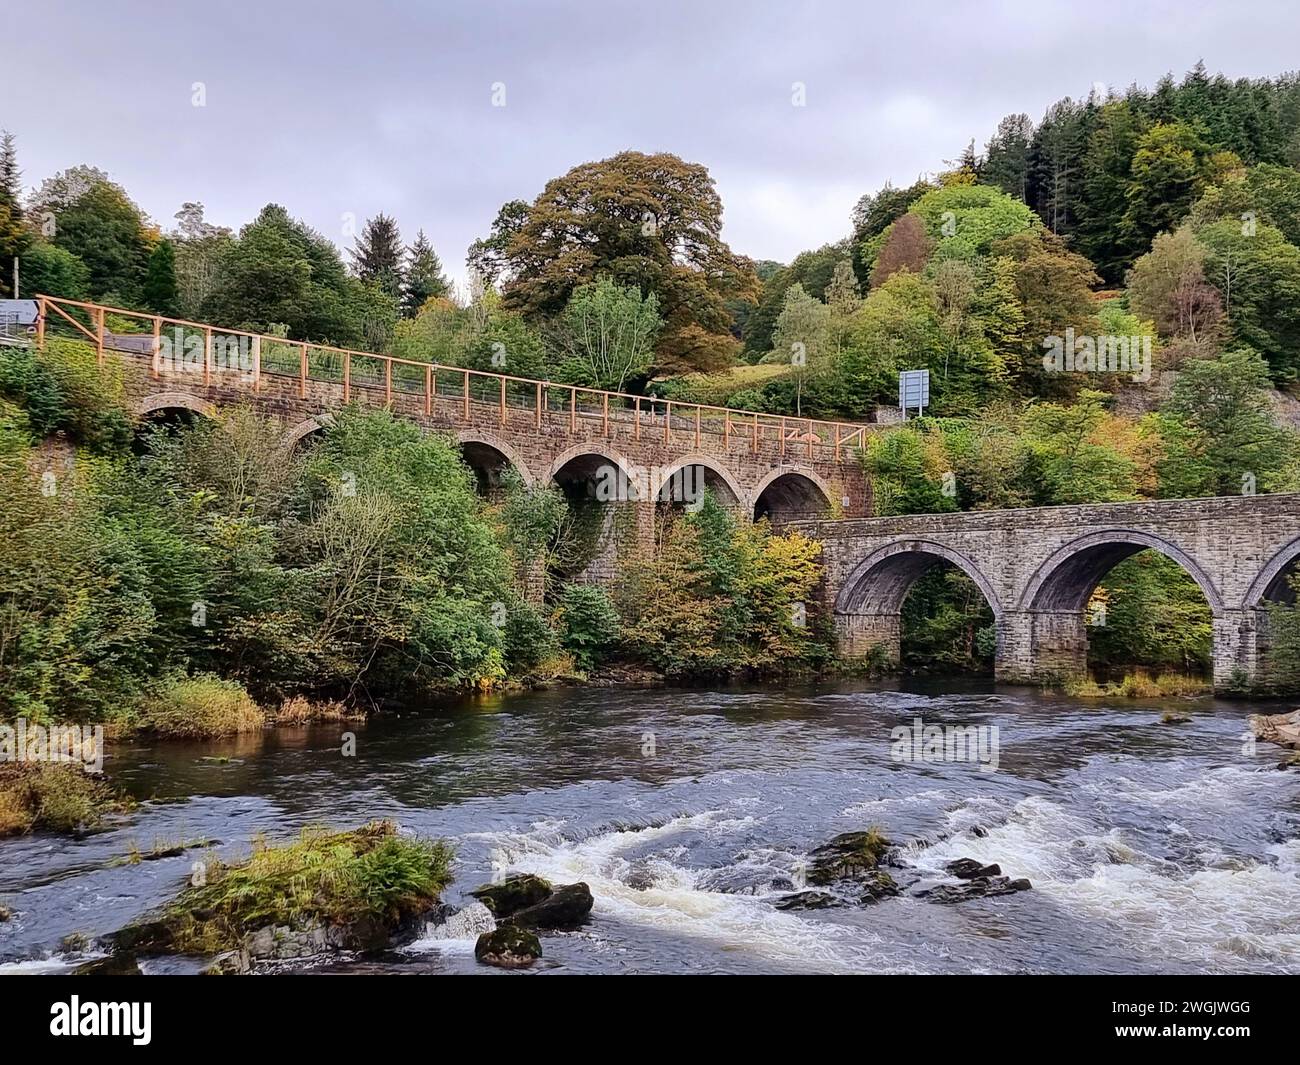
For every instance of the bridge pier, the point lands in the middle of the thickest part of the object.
(1237, 647)
(1036, 645)
(858, 635)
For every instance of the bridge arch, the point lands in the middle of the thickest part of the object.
(488, 454)
(176, 401)
(879, 584)
(716, 477)
(304, 429)
(790, 492)
(1066, 581)
(1270, 585)
(587, 458)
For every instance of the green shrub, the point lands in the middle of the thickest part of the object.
(589, 623)
(54, 797)
(203, 706)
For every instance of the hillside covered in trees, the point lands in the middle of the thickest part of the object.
(1157, 231)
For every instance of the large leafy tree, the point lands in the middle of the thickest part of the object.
(1257, 272)
(1219, 430)
(95, 220)
(609, 333)
(653, 221)
(281, 271)
(1167, 173)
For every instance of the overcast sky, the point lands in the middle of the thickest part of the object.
(337, 109)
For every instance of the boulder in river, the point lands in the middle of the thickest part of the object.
(809, 900)
(566, 907)
(508, 947)
(847, 856)
(514, 893)
(1282, 729)
(969, 869)
(981, 887)
(113, 965)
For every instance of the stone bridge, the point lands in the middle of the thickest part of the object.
(758, 464)
(1038, 568)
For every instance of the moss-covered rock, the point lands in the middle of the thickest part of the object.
(508, 947)
(566, 907)
(514, 893)
(847, 856)
(326, 891)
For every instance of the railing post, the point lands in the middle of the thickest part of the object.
(503, 403)
(539, 404)
(388, 383)
(347, 377)
(257, 364)
(99, 335)
(697, 428)
(573, 411)
(668, 421)
(302, 371)
(811, 437)
(636, 420)
(157, 344)
(428, 390)
(755, 442)
(783, 437)
(41, 311)
(466, 408)
(605, 414)
(207, 351)
(837, 441)
(726, 430)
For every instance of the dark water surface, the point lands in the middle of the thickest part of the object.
(1151, 847)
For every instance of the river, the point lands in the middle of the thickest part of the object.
(1151, 847)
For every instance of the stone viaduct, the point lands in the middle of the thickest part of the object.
(1038, 568)
(760, 465)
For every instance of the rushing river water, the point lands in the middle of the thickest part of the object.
(1151, 847)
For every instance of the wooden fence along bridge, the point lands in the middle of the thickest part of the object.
(1037, 568)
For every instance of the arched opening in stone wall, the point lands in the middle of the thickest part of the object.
(1276, 610)
(922, 606)
(492, 467)
(1139, 606)
(168, 413)
(791, 496)
(683, 487)
(602, 494)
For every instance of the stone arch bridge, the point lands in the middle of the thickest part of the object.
(1038, 568)
(761, 465)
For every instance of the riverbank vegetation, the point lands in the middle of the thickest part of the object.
(1155, 232)
(53, 797)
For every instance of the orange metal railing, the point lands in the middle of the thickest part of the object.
(260, 355)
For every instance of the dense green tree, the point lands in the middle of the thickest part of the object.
(377, 257)
(1220, 436)
(652, 221)
(424, 278)
(160, 292)
(279, 270)
(53, 271)
(608, 333)
(1168, 172)
(1007, 156)
(1257, 273)
(86, 214)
